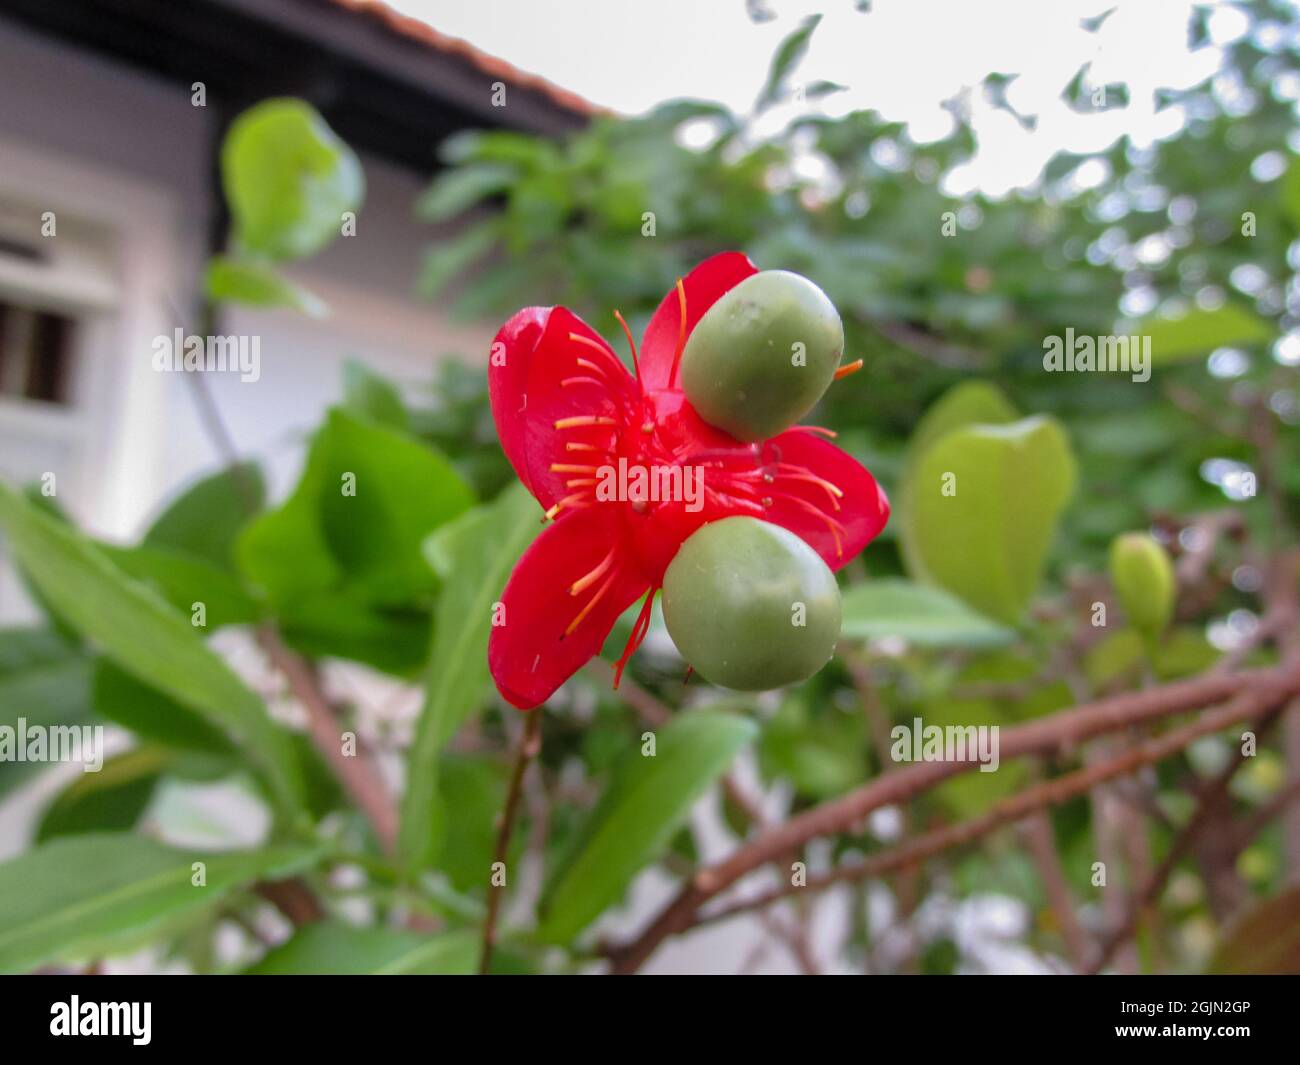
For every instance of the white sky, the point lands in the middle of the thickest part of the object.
(902, 58)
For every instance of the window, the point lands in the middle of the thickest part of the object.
(36, 354)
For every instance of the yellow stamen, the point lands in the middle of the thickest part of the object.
(568, 467)
(600, 592)
(587, 364)
(681, 331)
(848, 368)
(816, 430)
(636, 363)
(583, 419)
(569, 501)
(596, 345)
(583, 583)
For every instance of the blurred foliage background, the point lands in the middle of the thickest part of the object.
(1193, 241)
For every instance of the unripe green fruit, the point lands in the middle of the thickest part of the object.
(1143, 577)
(751, 606)
(763, 355)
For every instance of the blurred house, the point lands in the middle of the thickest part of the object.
(110, 204)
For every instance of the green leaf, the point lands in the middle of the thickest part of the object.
(331, 948)
(474, 556)
(372, 396)
(450, 258)
(455, 191)
(918, 613)
(471, 792)
(22, 649)
(345, 624)
(88, 896)
(121, 698)
(111, 799)
(230, 280)
(288, 179)
(1264, 940)
(969, 403)
(788, 54)
(636, 819)
(185, 582)
(205, 519)
(820, 755)
(985, 505)
(44, 680)
(148, 639)
(1200, 332)
(367, 498)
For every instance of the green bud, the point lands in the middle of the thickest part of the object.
(763, 355)
(1143, 578)
(751, 606)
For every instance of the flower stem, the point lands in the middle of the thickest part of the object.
(529, 744)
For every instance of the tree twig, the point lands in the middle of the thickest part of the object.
(1151, 890)
(1032, 800)
(359, 776)
(1061, 731)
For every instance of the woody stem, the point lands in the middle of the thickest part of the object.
(529, 744)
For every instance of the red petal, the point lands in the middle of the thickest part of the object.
(863, 506)
(704, 286)
(530, 655)
(535, 355)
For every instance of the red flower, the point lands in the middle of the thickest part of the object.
(567, 412)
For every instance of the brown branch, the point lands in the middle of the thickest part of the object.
(1041, 840)
(529, 744)
(357, 773)
(1061, 731)
(293, 898)
(1032, 800)
(1149, 894)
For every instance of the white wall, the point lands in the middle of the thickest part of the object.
(129, 152)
